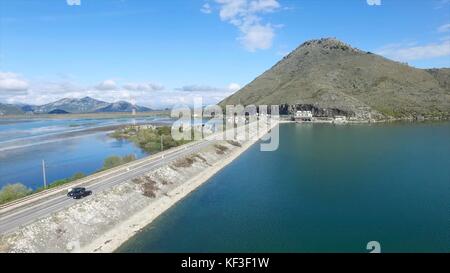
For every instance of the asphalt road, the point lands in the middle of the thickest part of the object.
(20, 216)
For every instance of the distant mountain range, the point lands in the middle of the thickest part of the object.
(69, 105)
(10, 109)
(331, 78)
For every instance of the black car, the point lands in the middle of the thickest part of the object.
(78, 193)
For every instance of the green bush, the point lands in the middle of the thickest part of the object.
(149, 139)
(151, 146)
(114, 161)
(12, 192)
(60, 182)
(164, 130)
(128, 158)
(111, 162)
(78, 176)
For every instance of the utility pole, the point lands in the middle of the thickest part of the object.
(43, 174)
(162, 147)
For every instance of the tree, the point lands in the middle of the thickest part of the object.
(111, 162)
(12, 192)
(114, 161)
(164, 130)
(128, 158)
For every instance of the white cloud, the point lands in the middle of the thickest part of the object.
(257, 37)
(406, 53)
(206, 8)
(143, 87)
(107, 85)
(247, 16)
(38, 92)
(374, 2)
(11, 82)
(209, 94)
(171, 98)
(234, 87)
(444, 28)
(264, 5)
(73, 2)
(198, 88)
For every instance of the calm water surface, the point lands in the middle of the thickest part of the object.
(327, 189)
(67, 145)
(63, 159)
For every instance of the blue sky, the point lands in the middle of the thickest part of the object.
(163, 52)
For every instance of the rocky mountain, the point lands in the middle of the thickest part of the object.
(70, 105)
(84, 105)
(331, 78)
(26, 108)
(442, 76)
(10, 109)
(122, 106)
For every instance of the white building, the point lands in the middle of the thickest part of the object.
(303, 115)
(340, 119)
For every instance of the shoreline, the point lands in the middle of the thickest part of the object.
(113, 239)
(384, 121)
(103, 223)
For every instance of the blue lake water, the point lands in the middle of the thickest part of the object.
(63, 159)
(11, 129)
(326, 189)
(65, 152)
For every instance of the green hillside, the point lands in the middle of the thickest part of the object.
(331, 77)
